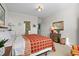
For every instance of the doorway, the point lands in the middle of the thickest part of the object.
(27, 27)
(39, 28)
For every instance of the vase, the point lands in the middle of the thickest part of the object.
(2, 51)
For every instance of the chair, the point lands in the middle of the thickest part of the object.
(75, 50)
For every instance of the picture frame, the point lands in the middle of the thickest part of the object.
(58, 25)
(2, 15)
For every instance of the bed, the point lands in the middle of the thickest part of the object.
(32, 45)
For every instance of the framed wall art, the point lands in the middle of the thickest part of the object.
(2, 16)
(58, 25)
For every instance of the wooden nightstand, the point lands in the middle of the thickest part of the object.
(8, 51)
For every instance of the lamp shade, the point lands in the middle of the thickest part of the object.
(52, 28)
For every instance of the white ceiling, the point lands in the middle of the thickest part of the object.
(30, 8)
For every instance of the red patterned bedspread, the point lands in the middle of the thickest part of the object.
(38, 42)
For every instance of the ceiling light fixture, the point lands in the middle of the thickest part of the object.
(40, 8)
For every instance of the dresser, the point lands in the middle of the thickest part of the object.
(55, 37)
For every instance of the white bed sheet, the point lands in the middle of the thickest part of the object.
(42, 51)
(19, 46)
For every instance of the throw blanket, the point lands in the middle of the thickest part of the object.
(35, 43)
